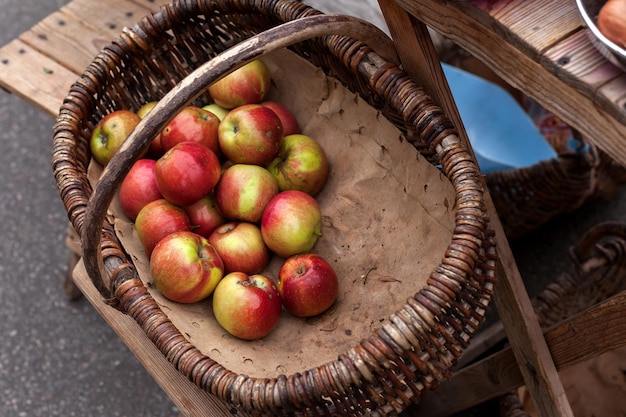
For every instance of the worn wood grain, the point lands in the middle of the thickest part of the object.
(34, 77)
(66, 39)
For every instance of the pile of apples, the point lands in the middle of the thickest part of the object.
(220, 191)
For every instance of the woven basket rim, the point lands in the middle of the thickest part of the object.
(460, 286)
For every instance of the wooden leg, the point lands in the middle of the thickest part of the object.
(72, 292)
(421, 61)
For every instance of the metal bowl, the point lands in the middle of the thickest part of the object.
(589, 10)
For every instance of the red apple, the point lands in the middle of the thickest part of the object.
(250, 84)
(301, 165)
(307, 284)
(110, 133)
(241, 247)
(291, 223)
(139, 187)
(187, 172)
(243, 192)
(247, 306)
(185, 267)
(286, 116)
(250, 134)
(216, 109)
(204, 215)
(192, 124)
(158, 219)
(155, 150)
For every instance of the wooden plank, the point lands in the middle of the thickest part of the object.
(536, 25)
(190, 399)
(577, 62)
(41, 65)
(34, 77)
(511, 298)
(578, 339)
(64, 38)
(485, 38)
(107, 17)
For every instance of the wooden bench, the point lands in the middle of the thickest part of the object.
(42, 63)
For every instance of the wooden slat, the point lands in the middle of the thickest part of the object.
(107, 17)
(34, 77)
(537, 25)
(585, 336)
(489, 40)
(191, 400)
(66, 39)
(44, 61)
(578, 63)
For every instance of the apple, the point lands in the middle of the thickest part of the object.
(192, 124)
(185, 268)
(139, 187)
(247, 306)
(155, 150)
(216, 109)
(204, 215)
(291, 223)
(307, 284)
(250, 134)
(110, 132)
(243, 192)
(241, 247)
(145, 109)
(301, 165)
(187, 172)
(249, 84)
(158, 219)
(286, 116)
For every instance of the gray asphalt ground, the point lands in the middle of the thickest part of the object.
(59, 358)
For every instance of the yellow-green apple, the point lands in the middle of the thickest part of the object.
(291, 223)
(249, 84)
(247, 306)
(241, 247)
(139, 187)
(204, 216)
(286, 116)
(217, 110)
(187, 172)
(158, 219)
(301, 165)
(185, 267)
(154, 150)
(192, 124)
(110, 132)
(250, 134)
(307, 284)
(243, 192)
(145, 109)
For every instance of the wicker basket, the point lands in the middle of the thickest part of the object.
(597, 272)
(527, 198)
(172, 56)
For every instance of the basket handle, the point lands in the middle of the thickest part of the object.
(189, 89)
